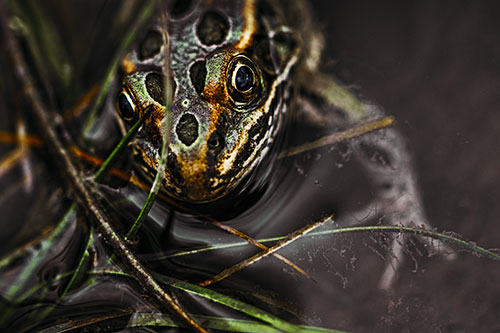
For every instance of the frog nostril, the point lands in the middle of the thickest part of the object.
(215, 142)
(187, 129)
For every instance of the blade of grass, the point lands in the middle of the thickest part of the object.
(76, 277)
(261, 246)
(471, 246)
(165, 123)
(36, 261)
(146, 12)
(230, 302)
(245, 263)
(43, 42)
(214, 296)
(81, 190)
(46, 245)
(350, 133)
(120, 147)
(80, 268)
(215, 323)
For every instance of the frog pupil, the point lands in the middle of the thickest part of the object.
(244, 78)
(125, 107)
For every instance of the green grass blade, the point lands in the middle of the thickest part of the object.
(44, 42)
(214, 323)
(46, 245)
(146, 12)
(160, 171)
(108, 163)
(394, 229)
(229, 302)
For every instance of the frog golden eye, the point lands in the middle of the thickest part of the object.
(243, 80)
(126, 106)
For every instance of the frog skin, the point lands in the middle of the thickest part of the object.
(237, 68)
(231, 73)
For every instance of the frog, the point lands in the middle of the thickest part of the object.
(239, 70)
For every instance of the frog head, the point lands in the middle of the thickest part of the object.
(229, 70)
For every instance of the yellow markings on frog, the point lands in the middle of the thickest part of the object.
(229, 160)
(128, 65)
(250, 25)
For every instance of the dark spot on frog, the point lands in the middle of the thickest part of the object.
(150, 45)
(173, 167)
(154, 86)
(215, 142)
(187, 129)
(198, 73)
(212, 29)
(180, 7)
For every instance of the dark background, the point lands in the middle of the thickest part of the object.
(435, 66)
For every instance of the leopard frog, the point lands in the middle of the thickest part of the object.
(238, 70)
(231, 64)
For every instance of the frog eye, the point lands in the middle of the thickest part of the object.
(126, 106)
(243, 80)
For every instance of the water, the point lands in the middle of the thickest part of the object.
(273, 202)
(298, 191)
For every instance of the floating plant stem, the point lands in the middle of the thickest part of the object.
(394, 229)
(350, 133)
(108, 163)
(81, 190)
(245, 263)
(261, 246)
(228, 301)
(36, 261)
(215, 323)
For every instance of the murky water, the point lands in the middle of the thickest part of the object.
(275, 202)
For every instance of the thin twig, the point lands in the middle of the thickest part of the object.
(261, 246)
(81, 190)
(8, 137)
(350, 133)
(245, 263)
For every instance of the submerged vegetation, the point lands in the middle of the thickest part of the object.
(89, 244)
